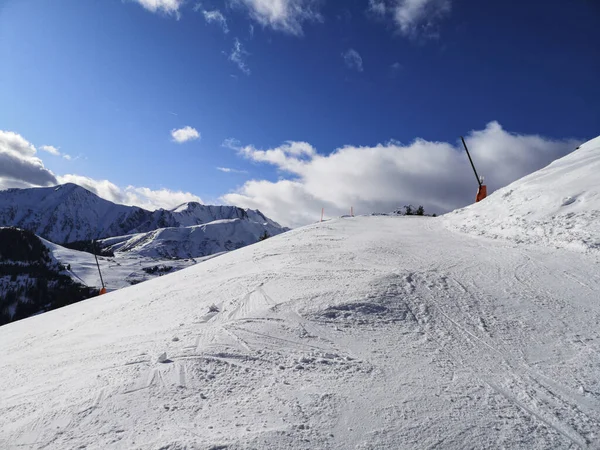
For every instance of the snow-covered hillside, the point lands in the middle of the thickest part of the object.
(69, 213)
(119, 271)
(558, 205)
(376, 332)
(32, 280)
(366, 333)
(192, 242)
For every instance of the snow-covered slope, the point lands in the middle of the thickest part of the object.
(194, 241)
(32, 280)
(558, 205)
(69, 213)
(366, 332)
(119, 271)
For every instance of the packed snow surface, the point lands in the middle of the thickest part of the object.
(366, 332)
(558, 205)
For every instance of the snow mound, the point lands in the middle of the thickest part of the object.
(557, 206)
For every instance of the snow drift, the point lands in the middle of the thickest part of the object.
(558, 205)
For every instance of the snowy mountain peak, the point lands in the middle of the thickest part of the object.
(69, 213)
(188, 206)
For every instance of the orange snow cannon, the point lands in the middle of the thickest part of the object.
(102, 291)
(482, 190)
(481, 193)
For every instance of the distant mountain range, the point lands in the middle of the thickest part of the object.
(70, 213)
(37, 273)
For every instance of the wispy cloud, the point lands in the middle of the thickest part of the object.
(230, 170)
(238, 56)
(231, 143)
(216, 17)
(185, 134)
(283, 15)
(395, 69)
(50, 149)
(377, 7)
(55, 151)
(353, 60)
(170, 7)
(412, 18)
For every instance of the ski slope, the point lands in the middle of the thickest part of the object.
(119, 271)
(366, 332)
(557, 206)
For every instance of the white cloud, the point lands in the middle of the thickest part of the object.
(185, 134)
(238, 56)
(170, 7)
(19, 167)
(436, 175)
(217, 17)
(412, 18)
(377, 7)
(55, 152)
(283, 15)
(415, 16)
(136, 196)
(353, 60)
(160, 198)
(230, 170)
(231, 143)
(50, 149)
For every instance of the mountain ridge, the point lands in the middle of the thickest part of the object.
(69, 213)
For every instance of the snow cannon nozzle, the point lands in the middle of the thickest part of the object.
(482, 190)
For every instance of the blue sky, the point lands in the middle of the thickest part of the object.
(107, 81)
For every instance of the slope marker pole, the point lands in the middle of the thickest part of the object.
(103, 290)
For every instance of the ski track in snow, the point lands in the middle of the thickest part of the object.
(365, 333)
